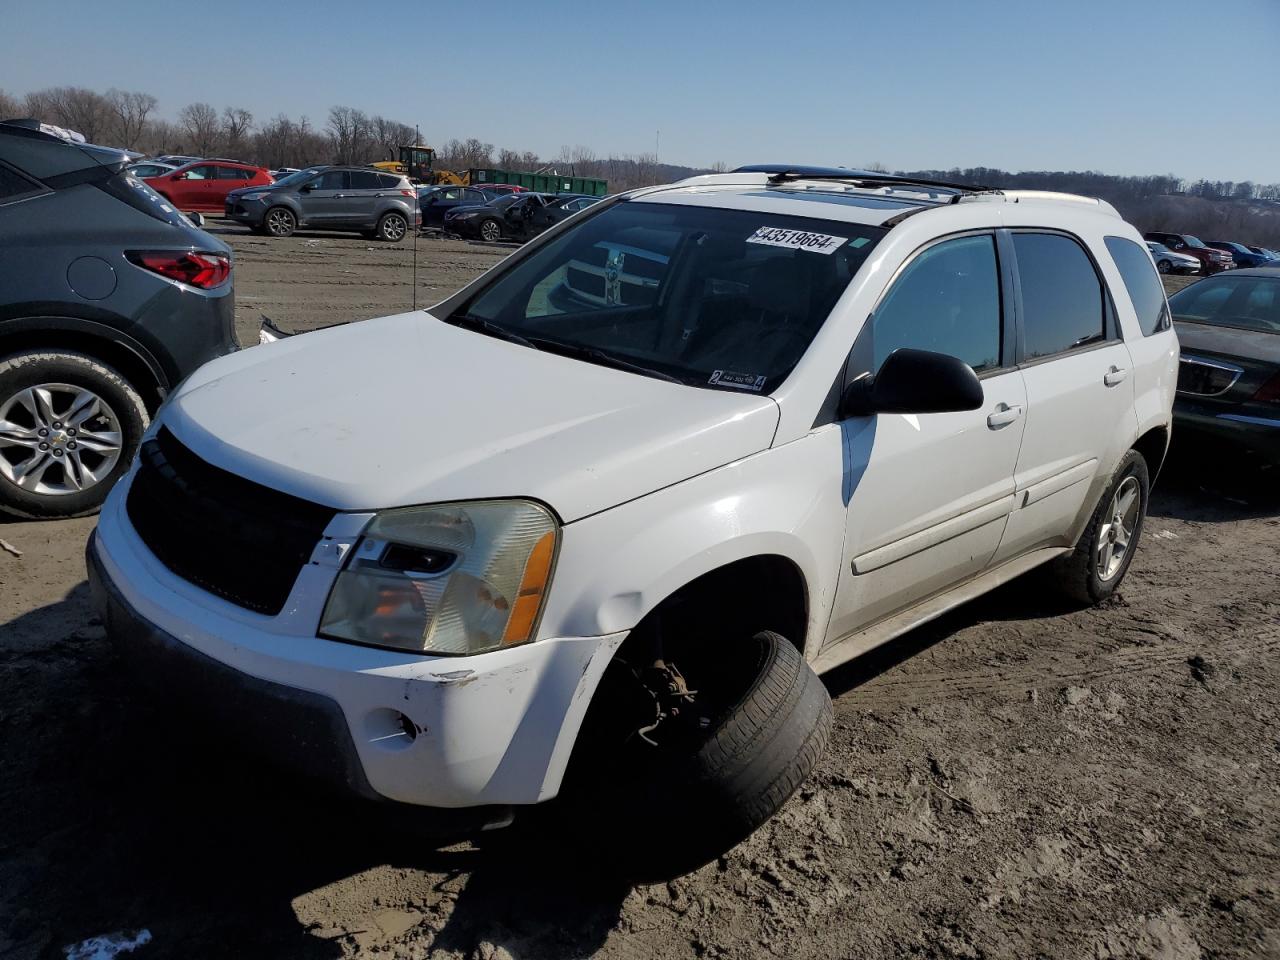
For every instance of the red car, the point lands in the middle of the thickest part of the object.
(204, 184)
(1211, 259)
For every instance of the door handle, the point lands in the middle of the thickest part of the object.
(1114, 376)
(1004, 415)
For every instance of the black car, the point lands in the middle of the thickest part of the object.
(516, 216)
(435, 202)
(1229, 377)
(108, 298)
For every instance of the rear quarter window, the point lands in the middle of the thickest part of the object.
(1142, 282)
(14, 186)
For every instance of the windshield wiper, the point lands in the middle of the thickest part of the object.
(602, 357)
(481, 325)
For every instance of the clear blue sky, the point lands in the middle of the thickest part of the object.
(1190, 87)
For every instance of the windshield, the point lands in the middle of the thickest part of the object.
(1246, 303)
(1194, 241)
(726, 299)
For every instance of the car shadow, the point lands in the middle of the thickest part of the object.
(1206, 485)
(122, 816)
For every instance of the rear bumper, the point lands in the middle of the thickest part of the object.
(451, 732)
(1242, 426)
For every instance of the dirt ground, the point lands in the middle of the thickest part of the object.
(1018, 779)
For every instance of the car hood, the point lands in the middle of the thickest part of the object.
(407, 409)
(1228, 341)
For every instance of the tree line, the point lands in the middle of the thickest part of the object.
(129, 119)
(1211, 210)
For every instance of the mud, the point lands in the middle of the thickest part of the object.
(1019, 779)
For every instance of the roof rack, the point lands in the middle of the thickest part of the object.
(783, 173)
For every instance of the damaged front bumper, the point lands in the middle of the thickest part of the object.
(487, 731)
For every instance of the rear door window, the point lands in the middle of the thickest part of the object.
(332, 180)
(946, 300)
(1063, 306)
(1142, 283)
(364, 180)
(234, 173)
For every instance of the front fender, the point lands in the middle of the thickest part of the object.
(616, 566)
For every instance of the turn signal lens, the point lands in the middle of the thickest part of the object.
(203, 270)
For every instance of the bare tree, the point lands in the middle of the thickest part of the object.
(10, 107)
(130, 110)
(75, 108)
(236, 124)
(200, 121)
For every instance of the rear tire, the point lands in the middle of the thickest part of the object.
(280, 222)
(1092, 572)
(39, 386)
(392, 228)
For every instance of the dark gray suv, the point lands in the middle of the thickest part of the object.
(108, 298)
(377, 204)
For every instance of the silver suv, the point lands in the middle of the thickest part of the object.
(376, 204)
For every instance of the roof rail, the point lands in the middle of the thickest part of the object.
(783, 173)
(1052, 196)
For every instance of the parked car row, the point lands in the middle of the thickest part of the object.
(514, 216)
(1185, 253)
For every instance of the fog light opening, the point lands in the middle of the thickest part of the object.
(390, 729)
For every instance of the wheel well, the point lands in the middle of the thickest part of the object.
(739, 599)
(127, 363)
(1152, 445)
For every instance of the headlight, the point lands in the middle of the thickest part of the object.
(252, 196)
(453, 578)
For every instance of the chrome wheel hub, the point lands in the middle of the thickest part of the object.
(57, 439)
(1115, 536)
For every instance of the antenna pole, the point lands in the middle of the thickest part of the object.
(417, 140)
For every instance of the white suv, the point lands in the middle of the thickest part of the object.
(597, 520)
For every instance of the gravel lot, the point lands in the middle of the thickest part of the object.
(1016, 780)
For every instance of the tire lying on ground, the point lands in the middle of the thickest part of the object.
(656, 812)
(69, 427)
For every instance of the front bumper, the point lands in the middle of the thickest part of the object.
(1242, 426)
(450, 732)
(249, 212)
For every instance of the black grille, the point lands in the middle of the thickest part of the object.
(237, 539)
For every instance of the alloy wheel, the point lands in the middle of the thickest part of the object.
(58, 439)
(393, 228)
(490, 231)
(1115, 535)
(280, 223)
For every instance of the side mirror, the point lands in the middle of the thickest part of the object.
(914, 381)
(306, 188)
(197, 219)
(179, 176)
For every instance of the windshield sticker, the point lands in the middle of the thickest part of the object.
(744, 381)
(797, 240)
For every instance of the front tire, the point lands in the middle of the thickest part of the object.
(1164, 266)
(490, 231)
(392, 228)
(280, 222)
(69, 428)
(1092, 572)
(667, 809)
